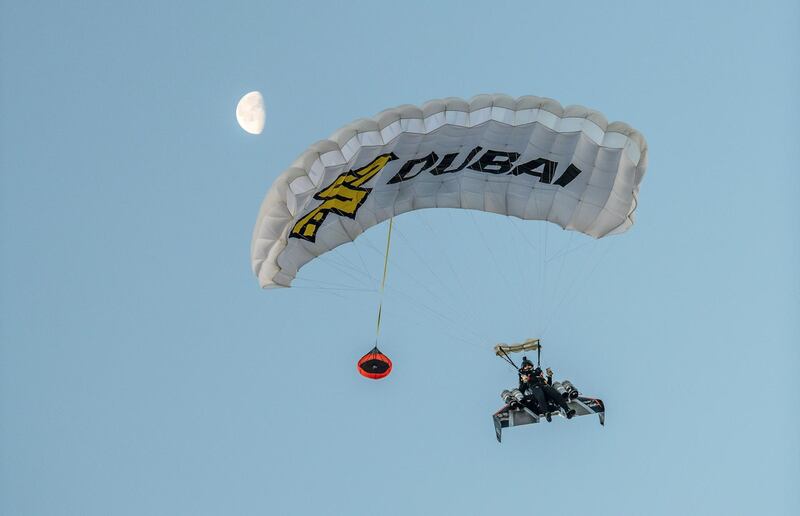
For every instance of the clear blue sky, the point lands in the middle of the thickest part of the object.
(143, 372)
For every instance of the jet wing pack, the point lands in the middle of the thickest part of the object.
(515, 414)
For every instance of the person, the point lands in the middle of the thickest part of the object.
(533, 396)
(537, 391)
(526, 367)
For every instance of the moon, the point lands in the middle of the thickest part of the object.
(250, 112)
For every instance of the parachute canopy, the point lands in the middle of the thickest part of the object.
(529, 158)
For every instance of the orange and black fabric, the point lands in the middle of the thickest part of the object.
(375, 365)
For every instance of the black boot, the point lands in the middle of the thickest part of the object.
(570, 413)
(548, 417)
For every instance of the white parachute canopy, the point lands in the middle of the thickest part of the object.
(528, 158)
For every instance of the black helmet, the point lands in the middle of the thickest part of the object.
(526, 363)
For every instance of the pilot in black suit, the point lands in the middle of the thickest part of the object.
(537, 390)
(533, 395)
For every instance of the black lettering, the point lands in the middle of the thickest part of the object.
(441, 168)
(495, 162)
(405, 172)
(545, 175)
(568, 175)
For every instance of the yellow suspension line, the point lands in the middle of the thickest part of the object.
(383, 280)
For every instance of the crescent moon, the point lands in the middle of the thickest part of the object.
(250, 112)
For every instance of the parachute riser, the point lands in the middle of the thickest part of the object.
(508, 359)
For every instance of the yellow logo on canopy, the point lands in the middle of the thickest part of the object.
(343, 197)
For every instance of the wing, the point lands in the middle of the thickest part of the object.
(585, 406)
(506, 416)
